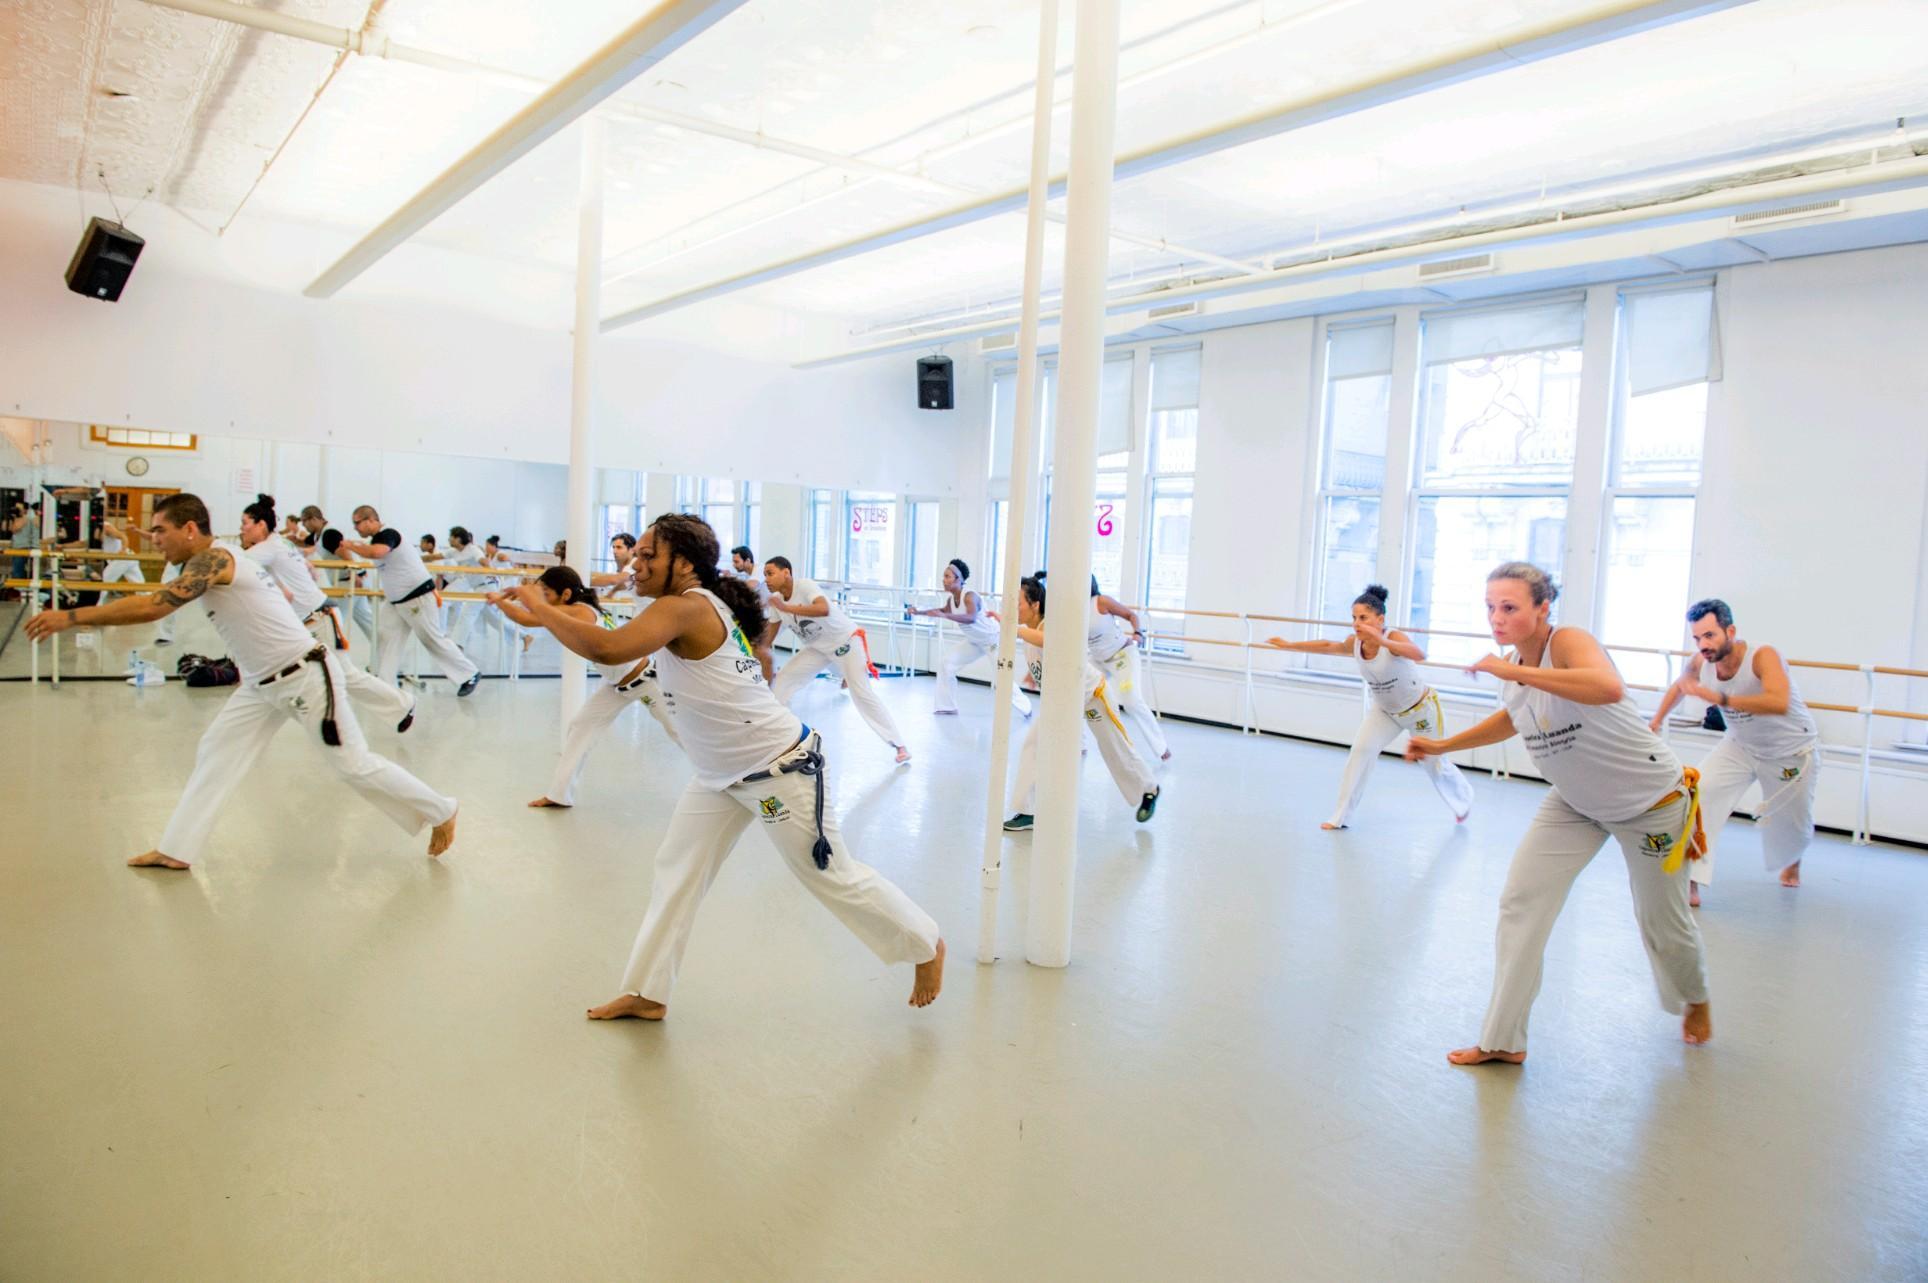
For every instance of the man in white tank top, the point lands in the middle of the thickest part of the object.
(828, 640)
(408, 605)
(285, 677)
(1771, 740)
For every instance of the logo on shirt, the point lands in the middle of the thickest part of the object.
(772, 807)
(1790, 772)
(1422, 725)
(1092, 714)
(842, 650)
(1656, 843)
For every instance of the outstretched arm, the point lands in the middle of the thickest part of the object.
(204, 570)
(1496, 728)
(1311, 647)
(662, 623)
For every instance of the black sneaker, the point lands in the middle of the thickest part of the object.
(1148, 805)
(1019, 823)
(406, 722)
(468, 687)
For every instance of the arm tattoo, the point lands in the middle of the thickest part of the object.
(196, 578)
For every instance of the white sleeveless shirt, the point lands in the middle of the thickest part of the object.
(981, 631)
(290, 569)
(1034, 663)
(729, 722)
(262, 632)
(1603, 758)
(1770, 736)
(1105, 635)
(1394, 680)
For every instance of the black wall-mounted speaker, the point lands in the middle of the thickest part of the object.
(934, 383)
(104, 260)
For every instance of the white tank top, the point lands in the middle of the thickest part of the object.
(1394, 681)
(1603, 758)
(729, 722)
(110, 544)
(1773, 737)
(1105, 635)
(983, 630)
(262, 632)
(1034, 662)
(289, 569)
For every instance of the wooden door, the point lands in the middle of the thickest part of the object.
(133, 506)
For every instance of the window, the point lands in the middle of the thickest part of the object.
(1352, 467)
(870, 537)
(926, 559)
(620, 509)
(1173, 459)
(1000, 541)
(1114, 463)
(752, 519)
(141, 438)
(824, 527)
(1668, 355)
(1498, 419)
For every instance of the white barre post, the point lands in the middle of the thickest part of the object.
(1023, 462)
(582, 387)
(33, 608)
(1081, 354)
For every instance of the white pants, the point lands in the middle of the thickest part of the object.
(594, 717)
(384, 700)
(1785, 816)
(1128, 770)
(1125, 682)
(241, 731)
(164, 631)
(462, 619)
(959, 654)
(702, 832)
(1559, 844)
(122, 572)
(394, 623)
(847, 657)
(1380, 729)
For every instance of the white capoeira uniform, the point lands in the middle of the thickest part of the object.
(119, 570)
(979, 637)
(1401, 702)
(409, 607)
(461, 614)
(830, 641)
(1111, 649)
(291, 573)
(755, 760)
(1128, 770)
(1611, 777)
(285, 676)
(1782, 752)
(622, 685)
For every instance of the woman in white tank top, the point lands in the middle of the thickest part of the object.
(1401, 702)
(754, 761)
(622, 684)
(977, 635)
(1611, 777)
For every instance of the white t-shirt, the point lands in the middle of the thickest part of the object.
(288, 568)
(820, 630)
(402, 571)
(259, 627)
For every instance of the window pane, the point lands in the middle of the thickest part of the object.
(823, 534)
(1174, 440)
(1108, 532)
(1499, 421)
(1660, 437)
(1456, 542)
(1649, 542)
(617, 519)
(924, 560)
(753, 529)
(1000, 532)
(1169, 545)
(1358, 412)
(722, 519)
(870, 538)
(716, 490)
(1351, 553)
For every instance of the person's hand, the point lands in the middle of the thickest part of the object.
(1493, 666)
(1691, 687)
(1654, 725)
(1278, 642)
(781, 606)
(49, 622)
(1371, 632)
(1419, 746)
(527, 593)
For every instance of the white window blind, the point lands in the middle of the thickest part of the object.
(1114, 407)
(1670, 337)
(1359, 351)
(1174, 380)
(1465, 336)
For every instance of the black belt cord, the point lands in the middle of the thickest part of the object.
(811, 764)
(330, 733)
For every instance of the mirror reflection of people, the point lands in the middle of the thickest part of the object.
(826, 639)
(408, 605)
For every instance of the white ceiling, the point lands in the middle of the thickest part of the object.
(937, 88)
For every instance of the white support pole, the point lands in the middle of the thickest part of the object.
(54, 641)
(582, 387)
(33, 608)
(1074, 473)
(1864, 819)
(1023, 451)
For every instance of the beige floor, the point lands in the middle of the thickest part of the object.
(322, 1056)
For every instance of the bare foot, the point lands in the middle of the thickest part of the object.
(1791, 875)
(903, 756)
(944, 712)
(930, 979)
(155, 860)
(1697, 1026)
(441, 837)
(629, 1007)
(543, 801)
(1481, 1056)
(1693, 894)
(1330, 827)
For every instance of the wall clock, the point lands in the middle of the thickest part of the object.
(137, 467)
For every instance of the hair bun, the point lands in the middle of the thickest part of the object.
(1377, 590)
